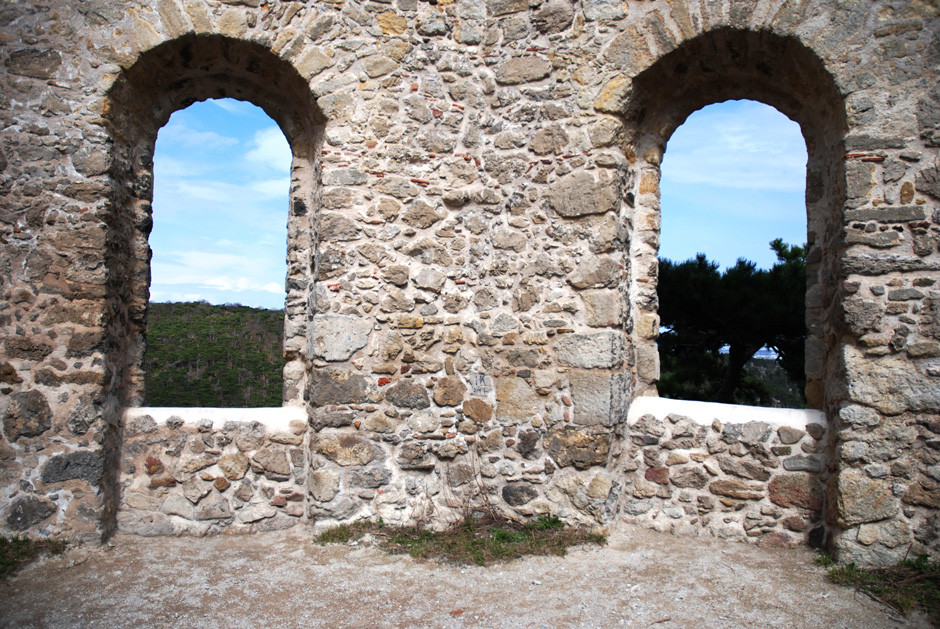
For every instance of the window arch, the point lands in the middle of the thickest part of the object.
(168, 78)
(733, 182)
(721, 65)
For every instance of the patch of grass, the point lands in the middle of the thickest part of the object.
(825, 560)
(912, 584)
(17, 551)
(480, 541)
(345, 533)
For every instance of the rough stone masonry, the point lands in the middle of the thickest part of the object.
(471, 291)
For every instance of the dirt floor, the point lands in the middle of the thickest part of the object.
(285, 579)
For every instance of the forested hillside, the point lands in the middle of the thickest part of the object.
(204, 355)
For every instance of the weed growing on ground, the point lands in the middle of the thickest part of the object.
(345, 533)
(911, 584)
(17, 551)
(825, 560)
(480, 541)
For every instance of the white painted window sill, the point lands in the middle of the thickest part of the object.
(274, 418)
(705, 413)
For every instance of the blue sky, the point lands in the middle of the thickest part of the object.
(221, 182)
(732, 181)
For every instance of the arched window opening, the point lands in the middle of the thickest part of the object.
(217, 290)
(732, 271)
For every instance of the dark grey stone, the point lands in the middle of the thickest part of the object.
(37, 64)
(518, 494)
(27, 415)
(408, 394)
(29, 511)
(370, 477)
(338, 386)
(80, 465)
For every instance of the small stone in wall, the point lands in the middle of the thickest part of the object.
(323, 485)
(27, 415)
(802, 463)
(195, 490)
(518, 494)
(691, 477)
(250, 436)
(658, 475)
(647, 431)
(415, 456)
(920, 494)
(750, 433)
(81, 465)
(742, 468)
(214, 510)
(29, 511)
(154, 466)
(176, 504)
(789, 435)
(345, 449)
(740, 490)
(198, 463)
(234, 466)
(408, 394)
(449, 391)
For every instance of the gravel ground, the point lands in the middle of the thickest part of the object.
(285, 579)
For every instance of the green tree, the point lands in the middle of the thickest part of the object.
(704, 311)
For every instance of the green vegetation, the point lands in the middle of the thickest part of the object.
(480, 541)
(204, 355)
(17, 551)
(715, 322)
(912, 584)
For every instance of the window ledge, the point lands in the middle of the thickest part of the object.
(277, 418)
(705, 413)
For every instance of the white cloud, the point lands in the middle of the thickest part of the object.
(738, 145)
(179, 134)
(270, 148)
(233, 106)
(272, 187)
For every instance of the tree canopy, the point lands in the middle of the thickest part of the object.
(713, 324)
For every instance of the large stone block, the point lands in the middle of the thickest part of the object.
(585, 192)
(598, 397)
(596, 272)
(572, 447)
(603, 350)
(338, 337)
(339, 386)
(408, 394)
(853, 498)
(515, 400)
(522, 70)
(344, 448)
(890, 385)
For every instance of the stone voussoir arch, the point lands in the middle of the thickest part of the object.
(164, 79)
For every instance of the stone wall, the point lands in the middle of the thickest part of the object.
(473, 230)
(733, 472)
(197, 471)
